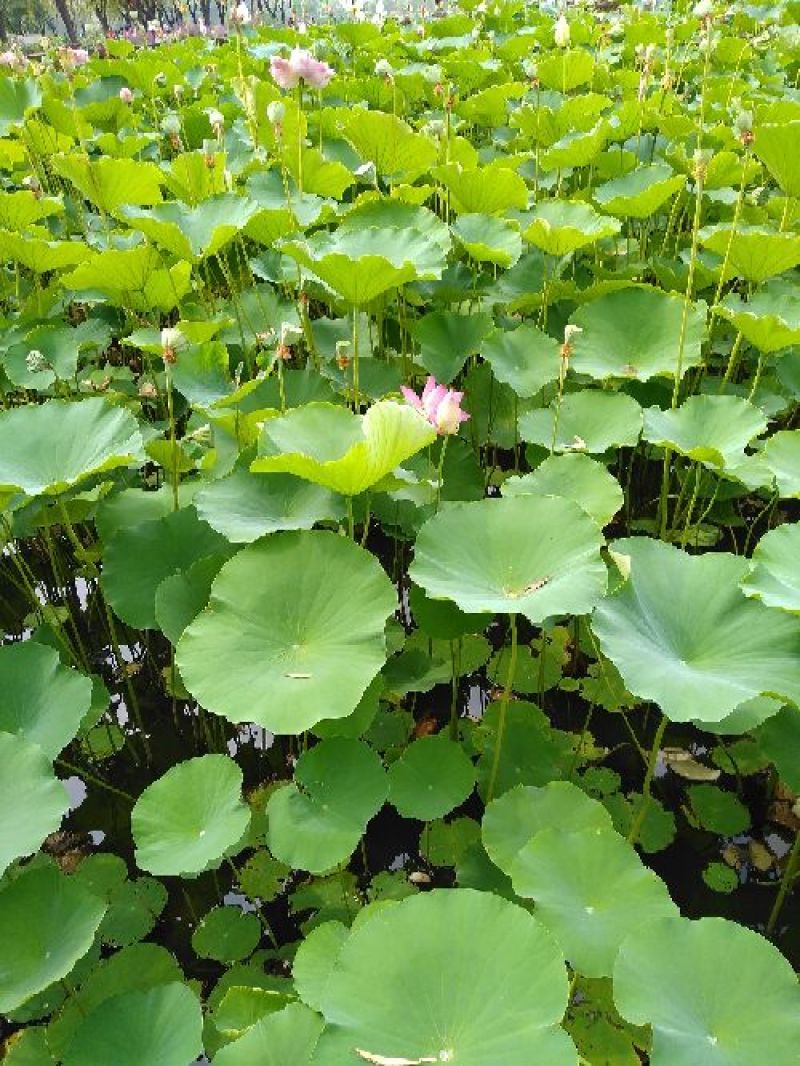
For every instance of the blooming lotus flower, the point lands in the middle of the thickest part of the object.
(561, 33)
(300, 66)
(79, 56)
(125, 95)
(240, 14)
(439, 405)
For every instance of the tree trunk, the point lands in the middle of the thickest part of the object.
(64, 13)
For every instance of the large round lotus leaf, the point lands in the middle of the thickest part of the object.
(533, 555)
(360, 264)
(431, 778)
(575, 477)
(340, 450)
(39, 698)
(562, 226)
(779, 739)
(754, 253)
(302, 616)
(532, 752)
(634, 333)
(190, 818)
(181, 597)
(715, 993)
(316, 822)
(47, 923)
(447, 339)
(193, 233)
(51, 447)
(32, 800)
(524, 358)
(157, 1025)
(519, 814)
(441, 618)
(640, 193)
(782, 456)
(713, 430)
(589, 421)
(139, 557)
(489, 240)
(774, 576)
(244, 506)
(452, 975)
(314, 960)
(286, 1037)
(590, 889)
(227, 934)
(778, 148)
(681, 633)
(769, 319)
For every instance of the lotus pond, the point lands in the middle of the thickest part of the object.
(399, 585)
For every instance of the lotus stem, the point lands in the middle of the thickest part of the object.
(440, 472)
(501, 723)
(173, 444)
(789, 872)
(641, 814)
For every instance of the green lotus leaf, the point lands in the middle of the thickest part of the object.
(162, 1024)
(20, 209)
(715, 993)
(182, 596)
(190, 818)
(779, 739)
(139, 557)
(575, 477)
(314, 960)
(193, 233)
(390, 143)
(40, 699)
(754, 253)
(481, 555)
(524, 358)
(491, 190)
(447, 339)
(576, 148)
(388, 215)
(778, 148)
(46, 449)
(18, 96)
(712, 430)
(360, 264)
(782, 457)
(303, 651)
(136, 967)
(227, 934)
(130, 270)
(591, 889)
(342, 451)
(489, 240)
(410, 984)
(316, 822)
(634, 333)
(774, 576)
(566, 69)
(441, 619)
(286, 1036)
(640, 193)
(524, 811)
(559, 227)
(47, 923)
(718, 811)
(244, 506)
(110, 183)
(431, 778)
(588, 421)
(40, 255)
(769, 319)
(681, 633)
(61, 347)
(32, 800)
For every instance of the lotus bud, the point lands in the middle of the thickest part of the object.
(704, 9)
(570, 331)
(383, 69)
(172, 340)
(743, 126)
(561, 32)
(700, 161)
(148, 391)
(276, 112)
(171, 125)
(216, 120)
(240, 14)
(343, 354)
(125, 95)
(210, 153)
(290, 333)
(36, 363)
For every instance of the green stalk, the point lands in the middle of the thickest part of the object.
(641, 814)
(789, 872)
(501, 724)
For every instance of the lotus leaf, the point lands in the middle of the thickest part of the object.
(576, 477)
(40, 699)
(774, 576)
(32, 800)
(712, 430)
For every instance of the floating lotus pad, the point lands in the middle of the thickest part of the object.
(715, 993)
(590, 889)
(634, 334)
(453, 976)
(681, 633)
(342, 451)
(575, 477)
(536, 556)
(40, 699)
(316, 823)
(46, 449)
(190, 818)
(712, 430)
(304, 651)
(432, 777)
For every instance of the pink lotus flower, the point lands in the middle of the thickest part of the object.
(440, 405)
(8, 59)
(79, 56)
(300, 66)
(125, 95)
